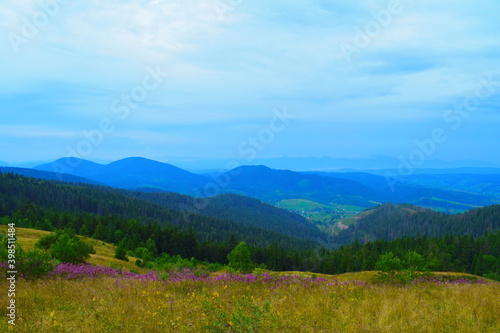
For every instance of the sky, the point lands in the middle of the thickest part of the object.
(239, 79)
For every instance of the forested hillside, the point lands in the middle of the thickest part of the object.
(241, 209)
(396, 221)
(466, 242)
(46, 204)
(48, 175)
(464, 253)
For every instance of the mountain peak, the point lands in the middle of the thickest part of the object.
(144, 165)
(70, 165)
(134, 159)
(255, 167)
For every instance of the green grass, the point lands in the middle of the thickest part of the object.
(104, 255)
(454, 202)
(325, 217)
(301, 204)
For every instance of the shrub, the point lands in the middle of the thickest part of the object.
(35, 264)
(492, 276)
(32, 264)
(143, 253)
(394, 270)
(46, 242)
(65, 246)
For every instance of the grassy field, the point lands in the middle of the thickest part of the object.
(270, 302)
(325, 217)
(229, 305)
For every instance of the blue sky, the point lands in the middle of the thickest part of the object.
(357, 79)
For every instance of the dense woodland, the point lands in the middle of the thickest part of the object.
(240, 209)
(447, 253)
(46, 203)
(465, 243)
(396, 221)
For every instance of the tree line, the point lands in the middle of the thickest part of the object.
(104, 214)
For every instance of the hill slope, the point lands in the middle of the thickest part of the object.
(451, 193)
(34, 198)
(396, 221)
(274, 185)
(243, 210)
(48, 175)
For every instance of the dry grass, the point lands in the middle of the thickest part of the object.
(111, 305)
(104, 255)
(117, 305)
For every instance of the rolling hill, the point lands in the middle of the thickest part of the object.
(240, 209)
(274, 185)
(391, 222)
(34, 199)
(449, 193)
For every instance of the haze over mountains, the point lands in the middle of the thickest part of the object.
(448, 193)
(373, 163)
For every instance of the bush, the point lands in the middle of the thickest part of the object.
(32, 264)
(492, 276)
(396, 271)
(65, 246)
(35, 264)
(143, 253)
(46, 242)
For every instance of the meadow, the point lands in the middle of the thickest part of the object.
(110, 295)
(84, 298)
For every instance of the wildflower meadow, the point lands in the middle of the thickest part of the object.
(92, 298)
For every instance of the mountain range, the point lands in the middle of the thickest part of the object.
(48, 204)
(444, 192)
(331, 163)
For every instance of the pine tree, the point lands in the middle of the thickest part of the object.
(120, 253)
(240, 260)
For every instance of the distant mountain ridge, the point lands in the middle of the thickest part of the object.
(130, 173)
(271, 185)
(331, 163)
(47, 175)
(455, 191)
(274, 185)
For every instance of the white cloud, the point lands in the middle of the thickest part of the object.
(237, 67)
(27, 131)
(144, 31)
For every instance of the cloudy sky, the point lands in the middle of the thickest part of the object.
(172, 80)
